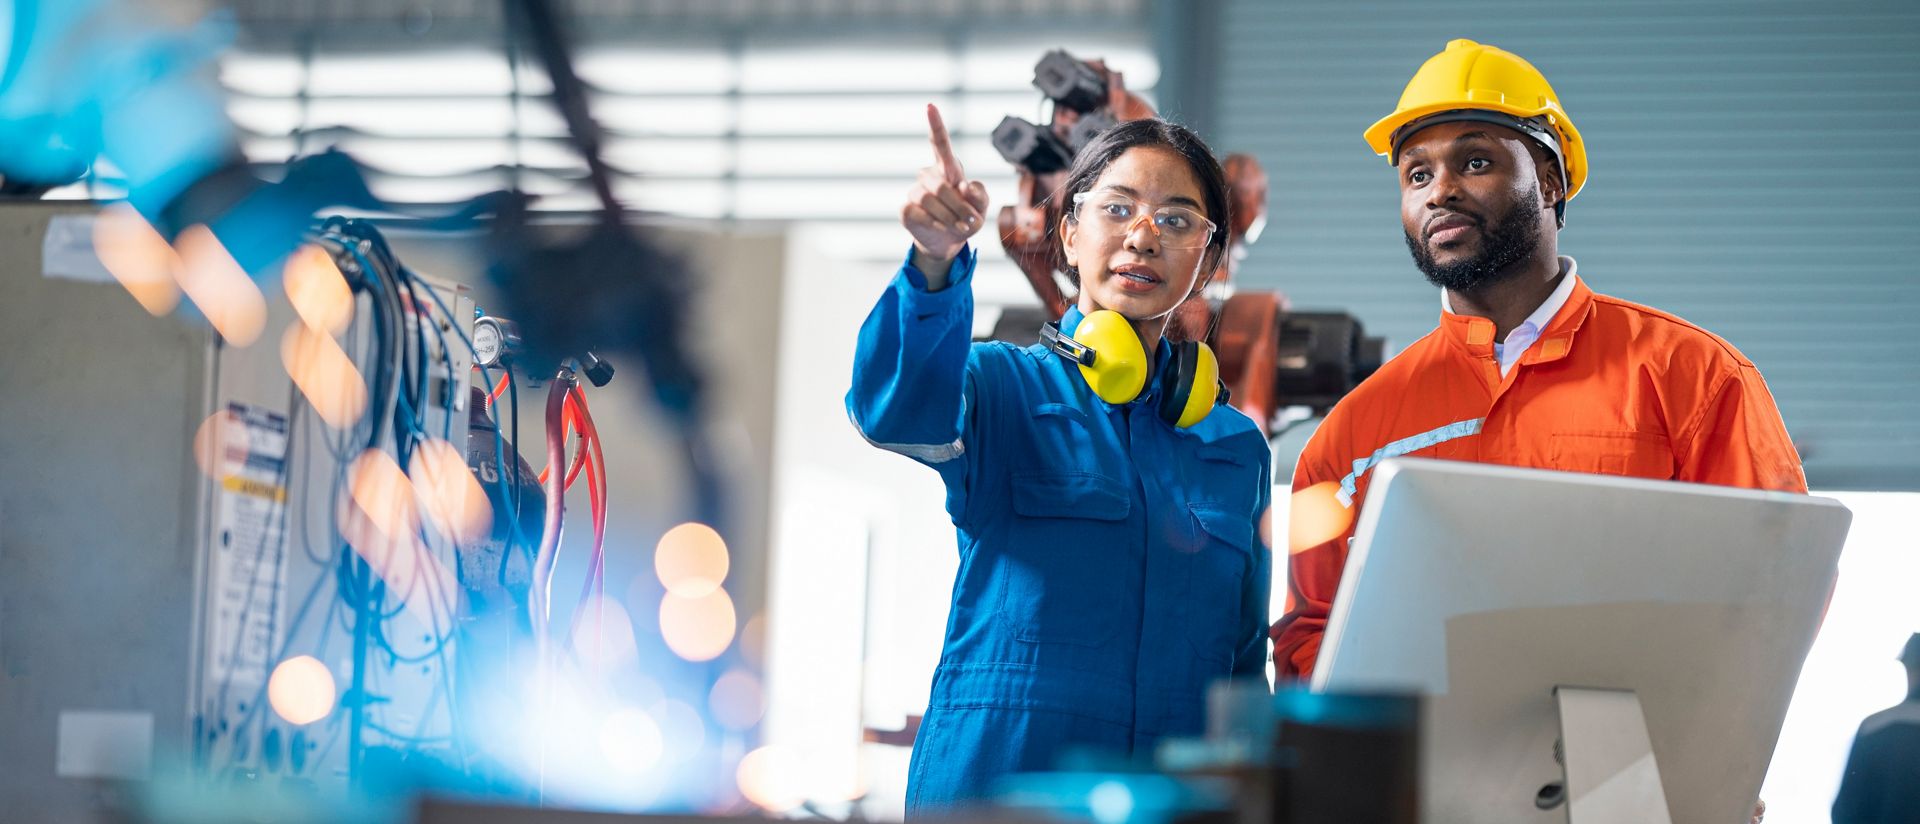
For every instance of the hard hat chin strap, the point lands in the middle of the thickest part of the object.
(1538, 128)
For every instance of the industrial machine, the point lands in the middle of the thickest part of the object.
(1272, 357)
(366, 512)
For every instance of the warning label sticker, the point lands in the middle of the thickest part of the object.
(249, 543)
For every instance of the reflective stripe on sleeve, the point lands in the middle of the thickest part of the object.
(929, 452)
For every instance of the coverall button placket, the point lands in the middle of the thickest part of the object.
(1144, 460)
(1151, 443)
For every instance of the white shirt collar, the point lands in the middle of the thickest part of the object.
(1528, 332)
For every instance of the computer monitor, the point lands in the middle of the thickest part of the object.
(1488, 588)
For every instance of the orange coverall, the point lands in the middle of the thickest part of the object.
(1610, 387)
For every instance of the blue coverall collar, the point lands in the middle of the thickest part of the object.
(1071, 320)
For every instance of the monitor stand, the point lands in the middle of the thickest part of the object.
(1611, 774)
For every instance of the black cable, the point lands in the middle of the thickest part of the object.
(409, 421)
(420, 376)
(393, 653)
(453, 394)
(405, 416)
(356, 575)
(399, 363)
(380, 326)
(306, 508)
(511, 495)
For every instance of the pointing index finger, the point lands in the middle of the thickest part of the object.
(942, 146)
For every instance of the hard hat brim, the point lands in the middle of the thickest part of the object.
(1379, 136)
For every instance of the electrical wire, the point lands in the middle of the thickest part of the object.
(499, 453)
(506, 381)
(497, 389)
(400, 388)
(401, 380)
(398, 351)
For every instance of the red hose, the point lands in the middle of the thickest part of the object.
(572, 424)
(595, 583)
(541, 602)
(498, 387)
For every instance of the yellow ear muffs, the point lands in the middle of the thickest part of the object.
(1191, 387)
(1115, 367)
(1108, 351)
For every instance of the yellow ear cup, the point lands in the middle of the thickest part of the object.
(1205, 388)
(1119, 369)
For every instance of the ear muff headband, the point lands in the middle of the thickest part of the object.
(1200, 387)
(1175, 387)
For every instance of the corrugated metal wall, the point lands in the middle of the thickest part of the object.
(1754, 171)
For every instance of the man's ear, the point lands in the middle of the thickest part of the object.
(1553, 184)
(1069, 232)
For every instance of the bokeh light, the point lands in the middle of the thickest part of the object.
(630, 740)
(603, 633)
(301, 690)
(753, 640)
(449, 494)
(220, 288)
(326, 376)
(383, 492)
(317, 290)
(737, 701)
(379, 521)
(138, 257)
(769, 777)
(697, 629)
(1110, 802)
(641, 691)
(681, 728)
(1316, 516)
(220, 443)
(691, 560)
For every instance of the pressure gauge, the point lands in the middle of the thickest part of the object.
(495, 340)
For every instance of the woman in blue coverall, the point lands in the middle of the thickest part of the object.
(1110, 561)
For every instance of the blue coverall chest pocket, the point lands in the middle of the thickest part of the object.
(1217, 561)
(1062, 438)
(1063, 577)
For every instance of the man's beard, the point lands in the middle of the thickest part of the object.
(1504, 242)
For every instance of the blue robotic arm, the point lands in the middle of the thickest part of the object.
(86, 79)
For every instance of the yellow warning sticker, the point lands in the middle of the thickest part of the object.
(258, 489)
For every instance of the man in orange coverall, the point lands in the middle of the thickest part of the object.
(1529, 367)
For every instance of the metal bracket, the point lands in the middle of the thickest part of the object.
(1610, 769)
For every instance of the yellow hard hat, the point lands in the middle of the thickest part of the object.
(1468, 79)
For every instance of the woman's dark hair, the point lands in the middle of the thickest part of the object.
(1109, 145)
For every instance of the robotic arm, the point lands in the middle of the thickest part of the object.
(99, 78)
(1270, 357)
(82, 80)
